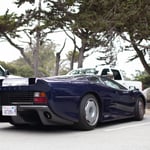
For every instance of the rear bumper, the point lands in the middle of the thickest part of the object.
(34, 114)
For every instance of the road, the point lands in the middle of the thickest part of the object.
(124, 135)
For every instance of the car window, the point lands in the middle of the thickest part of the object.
(73, 72)
(91, 71)
(94, 79)
(116, 74)
(113, 84)
(88, 71)
(105, 71)
(1, 72)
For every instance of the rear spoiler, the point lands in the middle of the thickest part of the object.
(17, 81)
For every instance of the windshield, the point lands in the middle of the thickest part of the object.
(2, 73)
(88, 71)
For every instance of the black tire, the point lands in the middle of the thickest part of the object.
(89, 112)
(139, 109)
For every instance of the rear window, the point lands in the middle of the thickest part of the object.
(116, 74)
(105, 72)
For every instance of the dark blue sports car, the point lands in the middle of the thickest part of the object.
(83, 101)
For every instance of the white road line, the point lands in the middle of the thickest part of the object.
(125, 127)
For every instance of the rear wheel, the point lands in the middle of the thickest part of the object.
(89, 112)
(139, 109)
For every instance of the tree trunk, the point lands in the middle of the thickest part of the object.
(58, 54)
(141, 56)
(36, 50)
(72, 59)
(57, 63)
(81, 57)
(36, 58)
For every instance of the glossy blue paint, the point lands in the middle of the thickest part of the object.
(68, 93)
(65, 94)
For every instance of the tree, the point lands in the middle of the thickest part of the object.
(130, 20)
(137, 25)
(76, 16)
(46, 62)
(144, 77)
(72, 56)
(109, 54)
(79, 17)
(95, 22)
(30, 28)
(80, 26)
(58, 54)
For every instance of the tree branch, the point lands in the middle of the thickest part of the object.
(19, 48)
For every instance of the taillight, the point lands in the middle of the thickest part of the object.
(40, 98)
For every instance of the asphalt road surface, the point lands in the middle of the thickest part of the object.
(124, 135)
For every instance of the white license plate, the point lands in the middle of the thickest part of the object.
(9, 110)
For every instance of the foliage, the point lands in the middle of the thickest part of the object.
(9, 67)
(131, 20)
(20, 2)
(46, 63)
(47, 59)
(145, 79)
(95, 22)
(69, 56)
(8, 23)
(29, 28)
(24, 71)
(84, 26)
(46, 67)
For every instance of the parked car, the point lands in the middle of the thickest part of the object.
(83, 101)
(146, 93)
(83, 71)
(5, 74)
(113, 73)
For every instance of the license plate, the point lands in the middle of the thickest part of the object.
(9, 110)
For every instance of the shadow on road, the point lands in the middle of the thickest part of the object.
(124, 121)
(65, 128)
(40, 129)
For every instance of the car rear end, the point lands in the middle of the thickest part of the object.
(27, 104)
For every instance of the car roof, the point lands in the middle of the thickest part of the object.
(82, 78)
(83, 71)
(68, 77)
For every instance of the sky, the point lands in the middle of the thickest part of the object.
(8, 53)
